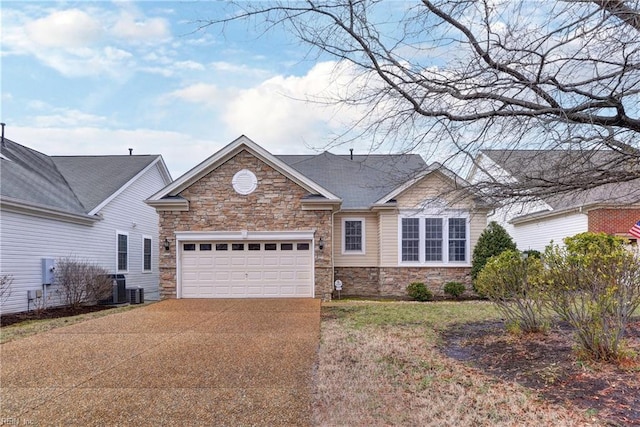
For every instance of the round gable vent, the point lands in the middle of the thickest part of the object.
(244, 182)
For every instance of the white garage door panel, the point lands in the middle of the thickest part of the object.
(269, 269)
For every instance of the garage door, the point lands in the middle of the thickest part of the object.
(246, 269)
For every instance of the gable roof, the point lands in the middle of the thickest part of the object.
(75, 185)
(358, 182)
(169, 194)
(362, 180)
(534, 166)
(94, 179)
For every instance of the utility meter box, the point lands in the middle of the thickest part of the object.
(48, 270)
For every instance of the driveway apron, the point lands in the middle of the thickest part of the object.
(176, 362)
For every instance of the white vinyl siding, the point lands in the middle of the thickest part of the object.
(538, 234)
(26, 239)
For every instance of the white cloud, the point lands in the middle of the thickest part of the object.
(228, 67)
(282, 111)
(142, 30)
(87, 41)
(68, 117)
(179, 157)
(70, 28)
(200, 93)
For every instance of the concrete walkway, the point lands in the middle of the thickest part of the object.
(177, 362)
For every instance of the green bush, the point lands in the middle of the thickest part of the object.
(492, 241)
(513, 283)
(455, 289)
(418, 291)
(593, 283)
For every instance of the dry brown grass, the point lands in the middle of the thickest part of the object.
(32, 327)
(377, 367)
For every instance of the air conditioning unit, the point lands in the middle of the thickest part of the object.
(136, 295)
(118, 293)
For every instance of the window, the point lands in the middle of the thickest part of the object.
(433, 239)
(457, 239)
(189, 247)
(286, 246)
(205, 246)
(254, 246)
(146, 254)
(123, 251)
(353, 235)
(270, 246)
(302, 246)
(429, 239)
(237, 246)
(222, 247)
(410, 239)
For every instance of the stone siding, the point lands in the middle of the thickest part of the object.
(275, 205)
(393, 281)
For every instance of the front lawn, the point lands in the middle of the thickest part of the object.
(386, 363)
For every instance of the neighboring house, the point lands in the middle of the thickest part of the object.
(246, 223)
(86, 207)
(610, 208)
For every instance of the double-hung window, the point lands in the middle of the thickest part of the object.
(426, 239)
(433, 239)
(410, 239)
(457, 239)
(122, 251)
(146, 254)
(353, 236)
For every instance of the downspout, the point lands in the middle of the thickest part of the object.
(333, 269)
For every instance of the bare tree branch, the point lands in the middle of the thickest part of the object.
(453, 77)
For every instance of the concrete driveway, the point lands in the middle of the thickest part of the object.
(177, 362)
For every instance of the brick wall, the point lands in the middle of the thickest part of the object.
(613, 221)
(274, 206)
(393, 281)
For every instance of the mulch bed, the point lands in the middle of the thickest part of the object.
(548, 364)
(49, 313)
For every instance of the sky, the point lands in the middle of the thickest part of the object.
(98, 78)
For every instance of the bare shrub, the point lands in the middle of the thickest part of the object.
(82, 282)
(5, 287)
(593, 283)
(512, 282)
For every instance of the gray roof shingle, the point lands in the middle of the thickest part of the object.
(73, 184)
(538, 166)
(359, 182)
(94, 178)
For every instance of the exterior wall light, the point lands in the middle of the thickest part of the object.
(167, 244)
(321, 244)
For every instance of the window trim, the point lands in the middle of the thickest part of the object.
(145, 237)
(118, 234)
(445, 216)
(362, 239)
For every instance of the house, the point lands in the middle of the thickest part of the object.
(246, 223)
(612, 208)
(86, 207)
